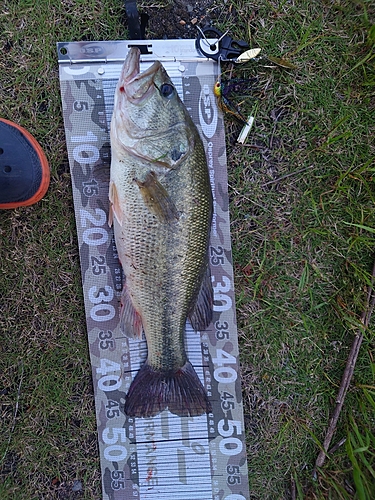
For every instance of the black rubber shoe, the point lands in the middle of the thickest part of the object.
(24, 169)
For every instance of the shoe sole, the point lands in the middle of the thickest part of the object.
(43, 164)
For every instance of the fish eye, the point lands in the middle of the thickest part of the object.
(167, 90)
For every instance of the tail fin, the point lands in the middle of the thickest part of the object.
(180, 391)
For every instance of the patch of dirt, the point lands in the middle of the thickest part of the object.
(179, 19)
(66, 491)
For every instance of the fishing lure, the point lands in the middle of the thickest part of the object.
(222, 92)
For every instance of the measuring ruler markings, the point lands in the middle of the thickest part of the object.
(198, 458)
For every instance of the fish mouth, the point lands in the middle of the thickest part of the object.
(131, 65)
(137, 86)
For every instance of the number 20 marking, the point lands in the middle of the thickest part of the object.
(94, 236)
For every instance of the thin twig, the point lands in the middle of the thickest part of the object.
(337, 446)
(348, 373)
(15, 414)
(287, 175)
(292, 488)
(231, 70)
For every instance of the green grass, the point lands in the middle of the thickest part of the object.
(301, 265)
(300, 190)
(51, 440)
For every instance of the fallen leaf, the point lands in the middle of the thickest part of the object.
(247, 270)
(281, 62)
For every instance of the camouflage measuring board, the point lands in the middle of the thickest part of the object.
(164, 457)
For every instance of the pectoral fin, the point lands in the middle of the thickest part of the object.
(157, 198)
(115, 209)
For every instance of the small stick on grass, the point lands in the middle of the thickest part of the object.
(348, 373)
(292, 488)
(15, 414)
(274, 181)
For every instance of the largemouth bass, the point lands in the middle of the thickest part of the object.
(161, 206)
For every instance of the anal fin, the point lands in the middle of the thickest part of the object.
(200, 314)
(130, 320)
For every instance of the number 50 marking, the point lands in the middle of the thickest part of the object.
(230, 445)
(114, 452)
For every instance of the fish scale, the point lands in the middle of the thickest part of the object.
(147, 241)
(162, 203)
